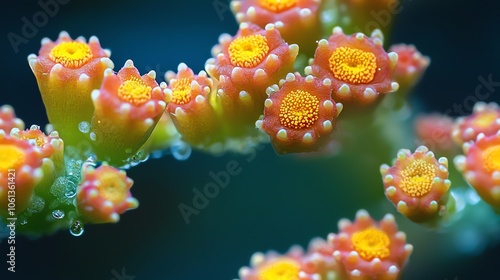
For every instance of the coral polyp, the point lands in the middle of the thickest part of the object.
(189, 107)
(20, 172)
(480, 166)
(366, 249)
(417, 184)
(126, 109)
(288, 17)
(358, 66)
(435, 132)
(104, 194)
(485, 119)
(272, 267)
(8, 119)
(410, 67)
(70, 65)
(299, 113)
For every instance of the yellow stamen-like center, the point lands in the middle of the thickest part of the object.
(371, 243)
(277, 5)
(71, 54)
(35, 138)
(299, 109)
(248, 51)
(11, 157)
(484, 120)
(181, 92)
(491, 158)
(286, 269)
(352, 65)
(134, 91)
(417, 178)
(112, 187)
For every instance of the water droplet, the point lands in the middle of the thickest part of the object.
(70, 194)
(84, 127)
(70, 188)
(58, 214)
(76, 229)
(93, 136)
(180, 150)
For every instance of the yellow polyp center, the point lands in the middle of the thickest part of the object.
(248, 51)
(181, 93)
(491, 159)
(299, 109)
(352, 65)
(484, 120)
(11, 157)
(71, 54)
(38, 140)
(134, 91)
(371, 243)
(286, 269)
(417, 177)
(112, 188)
(277, 5)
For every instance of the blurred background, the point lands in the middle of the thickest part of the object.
(276, 201)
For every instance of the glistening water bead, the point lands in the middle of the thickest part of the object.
(76, 229)
(58, 214)
(84, 127)
(180, 150)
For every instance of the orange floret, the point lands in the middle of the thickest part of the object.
(51, 148)
(189, 106)
(480, 166)
(104, 194)
(244, 66)
(298, 21)
(485, 118)
(20, 173)
(435, 132)
(358, 66)
(67, 71)
(366, 249)
(410, 67)
(417, 184)
(319, 260)
(8, 119)
(299, 113)
(274, 266)
(127, 108)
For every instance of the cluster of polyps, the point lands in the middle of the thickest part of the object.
(244, 66)
(362, 249)
(250, 81)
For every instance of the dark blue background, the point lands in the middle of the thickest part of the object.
(265, 207)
